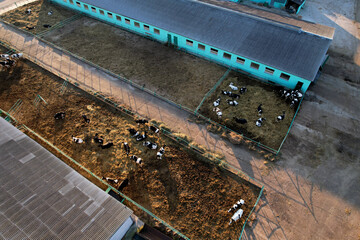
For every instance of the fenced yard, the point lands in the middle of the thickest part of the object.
(173, 75)
(163, 186)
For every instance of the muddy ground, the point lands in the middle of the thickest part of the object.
(272, 132)
(175, 75)
(190, 194)
(38, 17)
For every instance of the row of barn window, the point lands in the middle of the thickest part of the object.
(238, 59)
(110, 15)
(188, 42)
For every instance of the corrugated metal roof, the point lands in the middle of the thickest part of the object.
(275, 44)
(43, 198)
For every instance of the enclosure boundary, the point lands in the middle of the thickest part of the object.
(98, 178)
(60, 24)
(257, 201)
(213, 88)
(258, 144)
(238, 172)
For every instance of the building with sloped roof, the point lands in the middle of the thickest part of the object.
(270, 50)
(43, 198)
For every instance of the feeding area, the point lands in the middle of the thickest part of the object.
(243, 101)
(172, 74)
(38, 16)
(175, 75)
(181, 187)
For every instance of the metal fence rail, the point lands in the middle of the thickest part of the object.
(60, 24)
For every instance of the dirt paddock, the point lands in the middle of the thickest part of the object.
(38, 17)
(182, 189)
(271, 133)
(175, 75)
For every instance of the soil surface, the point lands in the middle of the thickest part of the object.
(173, 74)
(182, 189)
(272, 132)
(38, 17)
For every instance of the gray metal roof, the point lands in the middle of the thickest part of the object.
(43, 198)
(275, 44)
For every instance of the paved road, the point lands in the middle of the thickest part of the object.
(311, 191)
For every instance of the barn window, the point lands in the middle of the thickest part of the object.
(102, 12)
(213, 51)
(86, 7)
(78, 4)
(157, 31)
(71, 1)
(240, 60)
(269, 70)
(146, 27)
(118, 18)
(127, 21)
(189, 42)
(201, 47)
(110, 15)
(284, 76)
(93, 9)
(227, 56)
(136, 24)
(254, 65)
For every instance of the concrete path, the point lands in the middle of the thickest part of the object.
(311, 191)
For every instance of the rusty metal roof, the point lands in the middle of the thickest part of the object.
(43, 198)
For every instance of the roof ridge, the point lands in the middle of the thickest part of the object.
(253, 16)
(216, 3)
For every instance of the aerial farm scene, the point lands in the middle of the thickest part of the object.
(168, 119)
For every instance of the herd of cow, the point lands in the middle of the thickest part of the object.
(232, 102)
(7, 61)
(133, 132)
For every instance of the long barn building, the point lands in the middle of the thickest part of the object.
(270, 50)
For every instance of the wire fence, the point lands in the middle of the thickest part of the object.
(181, 141)
(212, 89)
(94, 82)
(60, 25)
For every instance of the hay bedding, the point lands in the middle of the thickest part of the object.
(190, 194)
(38, 17)
(272, 132)
(180, 77)
(175, 75)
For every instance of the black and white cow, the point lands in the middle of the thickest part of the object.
(260, 122)
(161, 152)
(150, 145)
(136, 159)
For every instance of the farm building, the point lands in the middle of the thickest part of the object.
(272, 51)
(43, 198)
